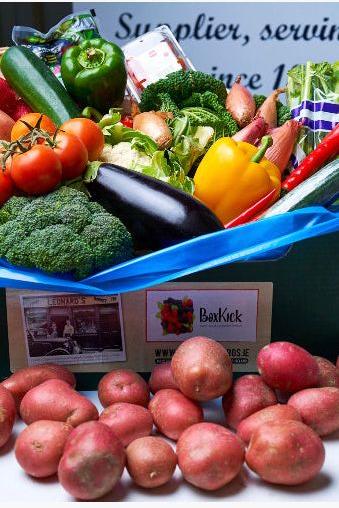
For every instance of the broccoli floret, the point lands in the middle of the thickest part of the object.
(94, 207)
(283, 111)
(106, 234)
(12, 208)
(58, 249)
(74, 215)
(11, 233)
(64, 196)
(180, 85)
(37, 215)
(63, 232)
(166, 103)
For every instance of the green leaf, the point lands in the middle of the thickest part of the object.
(142, 142)
(180, 126)
(91, 171)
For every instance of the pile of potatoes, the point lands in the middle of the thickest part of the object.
(274, 420)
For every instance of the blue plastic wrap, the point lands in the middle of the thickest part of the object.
(266, 239)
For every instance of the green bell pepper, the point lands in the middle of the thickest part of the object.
(94, 74)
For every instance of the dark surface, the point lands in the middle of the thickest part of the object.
(305, 298)
(39, 15)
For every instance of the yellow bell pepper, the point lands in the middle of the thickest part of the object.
(233, 176)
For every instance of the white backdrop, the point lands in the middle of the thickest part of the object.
(259, 40)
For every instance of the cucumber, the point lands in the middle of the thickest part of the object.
(35, 83)
(319, 189)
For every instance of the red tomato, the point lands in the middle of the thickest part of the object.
(90, 134)
(6, 187)
(20, 129)
(36, 171)
(72, 154)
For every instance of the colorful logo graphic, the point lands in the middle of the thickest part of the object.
(176, 316)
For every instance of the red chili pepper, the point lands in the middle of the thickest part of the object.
(127, 121)
(253, 210)
(328, 148)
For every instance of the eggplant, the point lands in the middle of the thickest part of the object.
(156, 214)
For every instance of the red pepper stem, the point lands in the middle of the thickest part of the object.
(266, 142)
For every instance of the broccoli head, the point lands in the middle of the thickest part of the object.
(178, 86)
(62, 232)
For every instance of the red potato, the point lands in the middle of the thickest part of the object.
(93, 461)
(162, 377)
(248, 395)
(319, 408)
(39, 447)
(128, 421)
(7, 415)
(202, 368)
(24, 380)
(173, 413)
(151, 461)
(286, 453)
(56, 400)
(328, 372)
(277, 413)
(6, 125)
(287, 367)
(209, 455)
(123, 385)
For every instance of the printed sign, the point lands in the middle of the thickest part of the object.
(226, 314)
(137, 329)
(260, 41)
(71, 329)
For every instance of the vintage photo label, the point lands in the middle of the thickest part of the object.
(72, 329)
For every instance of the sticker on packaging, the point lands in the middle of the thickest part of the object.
(227, 315)
(237, 314)
(71, 329)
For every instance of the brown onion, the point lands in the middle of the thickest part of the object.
(240, 103)
(155, 126)
(253, 132)
(268, 109)
(284, 139)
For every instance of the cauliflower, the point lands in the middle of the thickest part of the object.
(124, 155)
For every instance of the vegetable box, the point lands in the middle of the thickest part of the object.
(290, 250)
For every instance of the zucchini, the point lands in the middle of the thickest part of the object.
(319, 189)
(35, 83)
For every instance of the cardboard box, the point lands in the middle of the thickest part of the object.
(137, 330)
(305, 310)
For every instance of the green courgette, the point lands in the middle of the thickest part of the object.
(36, 84)
(319, 189)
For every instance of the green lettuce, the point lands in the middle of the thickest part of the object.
(137, 151)
(317, 82)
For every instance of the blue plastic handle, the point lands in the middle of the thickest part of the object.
(266, 239)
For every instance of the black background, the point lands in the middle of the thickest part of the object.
(39, 15)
